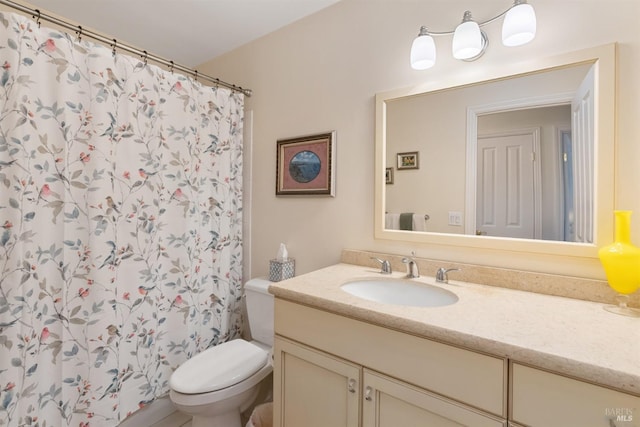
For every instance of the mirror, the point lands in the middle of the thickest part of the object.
(523, 155)
(524, 128)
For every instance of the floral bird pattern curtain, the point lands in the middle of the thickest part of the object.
(120, 227)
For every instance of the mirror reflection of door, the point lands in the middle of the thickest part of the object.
(508, 184)
(566, 165)
(565, 209)
(536, 209)
(582, 119)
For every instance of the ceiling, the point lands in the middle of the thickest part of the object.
(188, 32)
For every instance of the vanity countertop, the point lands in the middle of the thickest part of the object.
(573, 337)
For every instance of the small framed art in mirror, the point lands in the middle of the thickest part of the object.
(408, 160)
(388, 177)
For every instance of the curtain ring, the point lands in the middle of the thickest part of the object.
(114, 45)
(171, 67)
(145, 58)
(38, 17)
(79, 33)
(196, 74)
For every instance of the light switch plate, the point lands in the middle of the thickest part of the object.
(455, 218)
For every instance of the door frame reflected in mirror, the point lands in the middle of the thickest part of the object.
(474, 113)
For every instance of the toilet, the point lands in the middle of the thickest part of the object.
(218, 384)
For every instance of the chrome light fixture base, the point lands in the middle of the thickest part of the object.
(485, 44)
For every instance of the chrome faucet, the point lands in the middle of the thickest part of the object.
(412, 267)
(441, 274)
(385, 265)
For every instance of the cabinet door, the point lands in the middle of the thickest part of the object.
(314, 389)
(392, 403)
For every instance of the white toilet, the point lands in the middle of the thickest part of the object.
(216, 385)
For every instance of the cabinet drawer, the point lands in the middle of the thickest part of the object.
(544, 399)
(476, 379)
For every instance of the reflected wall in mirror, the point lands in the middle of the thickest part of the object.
(526, 156)
(491, 156)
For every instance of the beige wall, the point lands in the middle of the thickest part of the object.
(321, 74)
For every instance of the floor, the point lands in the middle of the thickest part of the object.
(151, 416)
(176, 419)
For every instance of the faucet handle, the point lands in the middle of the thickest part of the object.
(441, 274)
(385, 265)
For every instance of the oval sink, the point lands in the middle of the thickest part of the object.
(400, 292)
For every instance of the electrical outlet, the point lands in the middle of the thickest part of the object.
(455, 218)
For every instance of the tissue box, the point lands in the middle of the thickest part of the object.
(281, 270)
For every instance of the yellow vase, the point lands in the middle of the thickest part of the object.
(621, 259)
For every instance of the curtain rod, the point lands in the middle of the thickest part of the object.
(35, 13)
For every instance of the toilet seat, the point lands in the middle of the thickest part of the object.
(219, 367)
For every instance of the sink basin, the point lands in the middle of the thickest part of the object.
(400, 292)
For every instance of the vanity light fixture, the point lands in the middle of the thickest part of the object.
(470, 42)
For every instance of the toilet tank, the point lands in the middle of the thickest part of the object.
(260, 310)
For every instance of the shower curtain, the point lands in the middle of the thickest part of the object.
(120, 216)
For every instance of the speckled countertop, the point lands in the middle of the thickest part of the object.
(568, 336)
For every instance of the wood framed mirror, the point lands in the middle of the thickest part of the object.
(569, 211)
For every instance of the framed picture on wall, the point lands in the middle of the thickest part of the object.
(306, 165)
(388, 176)
(408, 160)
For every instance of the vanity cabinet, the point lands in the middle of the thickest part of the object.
(330, 370)
(541, 398)
(318, 390)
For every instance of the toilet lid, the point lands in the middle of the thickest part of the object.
(218, 367)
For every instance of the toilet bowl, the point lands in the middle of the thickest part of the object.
(220, 383)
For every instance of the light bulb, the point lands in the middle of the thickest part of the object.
(423, 51)
(519, 26)
(467, 39)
